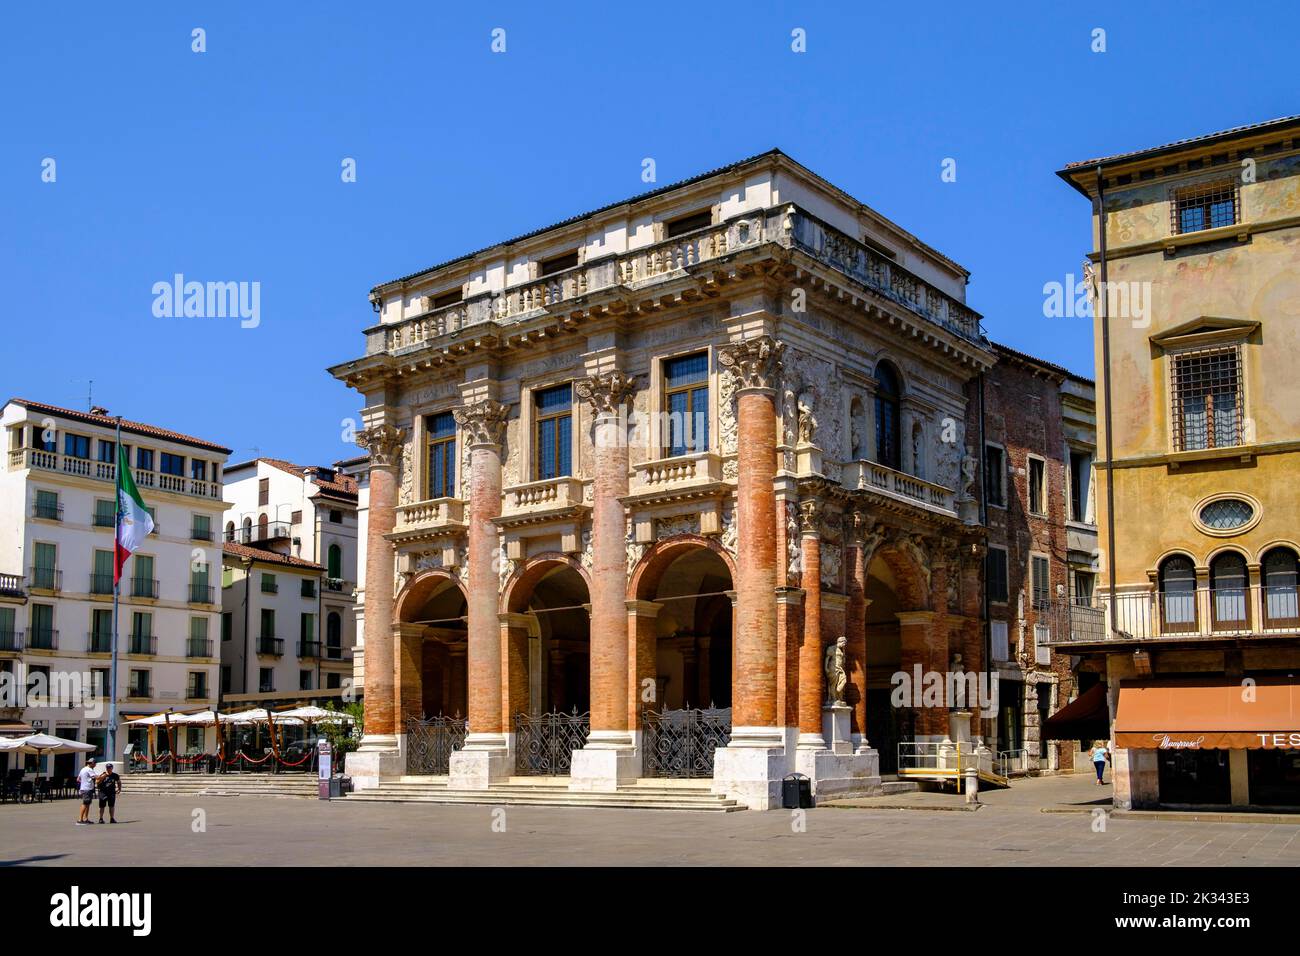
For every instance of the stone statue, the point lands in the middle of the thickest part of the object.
(836, 673)
(969, 469)
(807, 421)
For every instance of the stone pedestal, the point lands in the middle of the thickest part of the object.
(808, 459)
(379, 756)
(840, 769)
(835, 728)
(484, 760)
(750, 768)
(608, 761)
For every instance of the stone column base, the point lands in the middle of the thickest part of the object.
(485, 759)
(609, 760)
(380, 755)
(750, 768)
(833, 775)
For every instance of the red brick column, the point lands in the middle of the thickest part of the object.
(755, 363)
(643, 640)
(914, 633)
(384, 442)
(810, 651)
(482, 424)
(515, 629)
(606, 394)
(408, 672)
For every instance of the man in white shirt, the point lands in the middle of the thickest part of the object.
(86, 780)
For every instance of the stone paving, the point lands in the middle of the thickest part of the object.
(1009, 830)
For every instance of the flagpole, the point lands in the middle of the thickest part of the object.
(112, 679)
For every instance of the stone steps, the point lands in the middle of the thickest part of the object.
(645, 796)
(221, 785)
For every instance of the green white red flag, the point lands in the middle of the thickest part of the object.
(133, 520)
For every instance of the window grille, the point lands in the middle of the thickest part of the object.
(1205, 206)
(1207, 401)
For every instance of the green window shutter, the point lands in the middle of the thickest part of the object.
(102, 624)
(45, 556)
(199, 628)
(105, 513)
(104, 563)
(6, 620)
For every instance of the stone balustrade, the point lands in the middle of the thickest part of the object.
(550, 494)
(869, 476)
(430, 515)
(665, 473)
(107, 471)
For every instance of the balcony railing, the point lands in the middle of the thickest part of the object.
(430, 515)
(786, 226)
(663, 474)
(46, 579)
(107, 471)
(47, 512)
(255, 533)
(102, 520)
(334, 584)
(139, 690)
(11, 640)
(869, 476)
(144, 588)
(101, 584)
(196, 692)
(271, 645)
(43, 639)
(1205, 613)
(12, 585)
(545, 495)
(200, 534)
(142, 644)
(270, 587)
(97, 643)
(309, 648)
(200, 594)
(198, 647)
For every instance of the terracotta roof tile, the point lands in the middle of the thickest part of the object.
(270, 557)
(108, 421)
(1190, 141)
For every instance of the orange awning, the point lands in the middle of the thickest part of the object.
(1209, 714)
(1084, 718)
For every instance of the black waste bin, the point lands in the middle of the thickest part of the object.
(796, 792)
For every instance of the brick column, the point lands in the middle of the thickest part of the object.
(485, 757)
(408, 672)
(642, 638)
(810, 651)
(750, 767)
(609, 751)
(914, 637)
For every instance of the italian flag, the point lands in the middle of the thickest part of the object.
(133, 520)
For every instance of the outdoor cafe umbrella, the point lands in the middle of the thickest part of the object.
(313, 715)
(44, 744)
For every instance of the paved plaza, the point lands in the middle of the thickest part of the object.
(1011, 829)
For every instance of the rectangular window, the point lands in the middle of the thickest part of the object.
(304, 680)
(1207, 399)
(201, 527)
(336, 516)
(99, 681)
(332, 681)
(197, 689)
(265, 680)
(46, 439)
(1080, 478)
(198, 469)
(144, 459)
(143, 582)
(559, 263)
(441, 475)
(995, 574)
(686, 402)
(295, 517)
(142, 637)
(307, 628)
(998, 635)
(446, 299)
(1084, 583)
(308, 588)
(1042, 653)
(139, 684)
(685, 224)
(268, 622)
(170, 464)
(107, 451)
(105, 513)
(45, 573)
(8, 636)
(200, 592)
(1206, 206)
(263, 492)
(47, 506)
(227, 626)
(1037, 486)
(41, 617)
(1041, 577)
(225, 679)
(268, 584)
(76, 446)
(995, 473)
(101, 578)
(101, 632)
(553, 432)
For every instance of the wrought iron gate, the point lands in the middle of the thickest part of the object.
(544, 744)
(430, 742)
(680, 743)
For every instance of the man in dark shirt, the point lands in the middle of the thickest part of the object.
(110, 785)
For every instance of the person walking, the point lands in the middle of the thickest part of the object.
(86, 778)
(1099, 756)
(110, 785)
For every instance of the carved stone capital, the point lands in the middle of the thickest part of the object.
(484, 421)
(606, 392)
(755, 363)
(384, 442)
(810, 516)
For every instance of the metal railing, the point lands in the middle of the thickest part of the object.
(99, 643)
(142, 644)
(681, 743)
(43, 639)
(101, 584)
(46, 579)
(1206, 613)
(200, 594)
(430, 742)
(544, 744)
(144, 588)
(198, 647)
(47, 512)
(11, 640)
(271, 645)
(309, 648)
(1009, 763)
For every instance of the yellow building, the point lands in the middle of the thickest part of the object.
(1196, 619)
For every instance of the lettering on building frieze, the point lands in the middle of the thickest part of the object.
(484, 422)
(384, 442)
(755, 363)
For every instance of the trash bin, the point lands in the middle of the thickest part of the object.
(336, 787)
(796, 792)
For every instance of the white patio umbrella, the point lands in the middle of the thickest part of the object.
(312, 714)
(43, 744)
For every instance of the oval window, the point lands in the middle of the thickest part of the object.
(1227, 514)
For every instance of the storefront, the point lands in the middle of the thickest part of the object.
(1205, 742)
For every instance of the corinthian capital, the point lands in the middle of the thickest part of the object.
(606, 392)
(483, 421)
(384, 442)
(810, 516)
(755, 363)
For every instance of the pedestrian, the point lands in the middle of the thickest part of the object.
(86, 778)
(1099, 757)
(110, 785)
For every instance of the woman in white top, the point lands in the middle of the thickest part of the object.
(1098, 755)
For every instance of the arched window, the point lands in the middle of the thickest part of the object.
(248, 531)
(1177, 578)
(888, 393)
(230, 531)
(1228, 582)
(335, 562)
(334, 635)
(1281, 570)
(261, 527)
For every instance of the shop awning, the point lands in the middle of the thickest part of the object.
(1209, 714)
(1085, 718)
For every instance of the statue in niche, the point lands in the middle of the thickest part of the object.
(807, 420)
(836, 667)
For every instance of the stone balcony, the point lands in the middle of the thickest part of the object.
(545, 497)
(898, 486)
(426, 520)
(35, 458)
(785, 226)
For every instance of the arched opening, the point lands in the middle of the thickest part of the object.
(886, 724)
(1176, 579)
(1281, 570)
(554, 594)
(889, 392)
(230, 531)
(261, 527)
(432, 674)
(248, 530)
(1228, 586)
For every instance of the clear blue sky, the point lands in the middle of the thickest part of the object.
(225, 165)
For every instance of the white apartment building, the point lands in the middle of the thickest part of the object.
(307, 513)
(57, 506)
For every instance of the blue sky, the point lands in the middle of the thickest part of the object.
(225, 165)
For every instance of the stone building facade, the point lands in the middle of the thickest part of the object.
(640, 471)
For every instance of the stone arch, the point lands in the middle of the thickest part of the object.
(431, 667)
(646, 575)
(909, 577)
(519, 586)
(419, 589)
